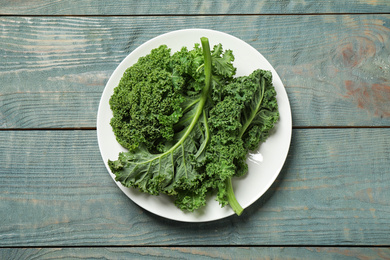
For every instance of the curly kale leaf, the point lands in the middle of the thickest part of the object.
(173, 171)
(245, 113)
(146, 104)
(223, 62)
(261, 112)
(165, 172)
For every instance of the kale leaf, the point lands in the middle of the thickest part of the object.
(188, 123)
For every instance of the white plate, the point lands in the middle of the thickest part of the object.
(264, 165)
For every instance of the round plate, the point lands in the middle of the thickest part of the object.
(264, 164)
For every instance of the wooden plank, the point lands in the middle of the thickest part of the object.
(333, 190)
(150, 7)
(343, 253)
(335, 68)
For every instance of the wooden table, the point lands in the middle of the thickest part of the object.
(332, 198)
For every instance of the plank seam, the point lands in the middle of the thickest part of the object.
(50, 129)
(183, 15)
(205, 246)
(340, 127)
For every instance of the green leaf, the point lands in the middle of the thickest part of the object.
(223, 64)
(175, 169)
(254, 104)
(261, 113)
(165, 172)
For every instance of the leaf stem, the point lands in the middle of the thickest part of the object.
(232, 198)
(207, 64)
(204, 94)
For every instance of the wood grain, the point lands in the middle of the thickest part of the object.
(331, 200)
(335, 67)
(285, 253)
(152, 7)
(333, 190)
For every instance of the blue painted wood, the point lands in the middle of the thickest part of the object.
(56, 196)
(150, 7)
(333, 190)
(334, 67)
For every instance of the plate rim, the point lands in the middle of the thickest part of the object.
(124, 65)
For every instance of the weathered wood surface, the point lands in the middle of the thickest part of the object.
(57, 199)
(335, 67)
(333, 190)
(283, 253)
(170, 7)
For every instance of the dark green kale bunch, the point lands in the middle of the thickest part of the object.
(188, 123)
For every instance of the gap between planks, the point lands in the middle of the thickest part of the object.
(182, 14)
(205, 246)
(51, 129)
